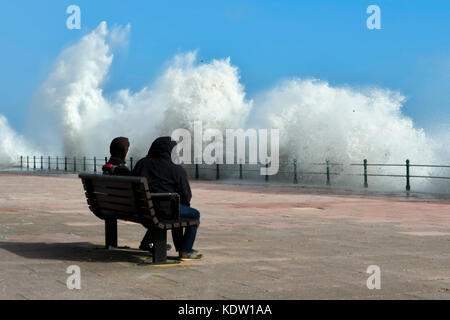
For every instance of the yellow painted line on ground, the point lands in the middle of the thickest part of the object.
(160, 266)
(172, 263)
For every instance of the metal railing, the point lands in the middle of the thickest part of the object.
(64, 164)
(289, 169)
(407, 174)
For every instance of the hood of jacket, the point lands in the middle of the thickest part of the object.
(161, 147)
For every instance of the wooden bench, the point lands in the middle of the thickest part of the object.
(128, 198)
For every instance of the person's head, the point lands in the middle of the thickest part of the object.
(162, 146)
(119, 148)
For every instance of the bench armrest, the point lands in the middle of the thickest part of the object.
(164, 195)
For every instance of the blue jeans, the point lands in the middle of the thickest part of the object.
(184, 242)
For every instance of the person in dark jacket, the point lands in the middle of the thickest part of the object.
(165, 176)
(116, 164)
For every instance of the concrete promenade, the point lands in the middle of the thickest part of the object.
(259, 242)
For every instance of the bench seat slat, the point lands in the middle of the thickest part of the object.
(171, 224)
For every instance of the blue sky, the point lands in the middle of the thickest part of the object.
(268, 41)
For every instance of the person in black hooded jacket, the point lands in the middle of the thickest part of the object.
(116, 164)
(165, 176)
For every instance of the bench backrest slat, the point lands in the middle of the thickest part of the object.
(114, 192)
(118, 200)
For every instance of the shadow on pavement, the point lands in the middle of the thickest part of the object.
(74, 251)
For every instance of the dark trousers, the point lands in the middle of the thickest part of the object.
(182, 239)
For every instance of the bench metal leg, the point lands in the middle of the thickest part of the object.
(177, 237)
(159, 250)
(110, 233)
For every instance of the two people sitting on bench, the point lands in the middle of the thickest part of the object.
(165, 176)
(116, 165)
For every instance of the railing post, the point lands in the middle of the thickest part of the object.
(240, 170)
(42, 163)
(57, 163)
(21, 163)
(28, 163)
(95, 164)
(65, 163)
(217, 172)
(84, 163)
(74, 164)
(295, 172)
(365, 174)
(328, 172)
(131, 163)
(267, 169)
(49, 168)
(196, 172)
(34, 162)
(408, 186)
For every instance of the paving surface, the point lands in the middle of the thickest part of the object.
(259, 242)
